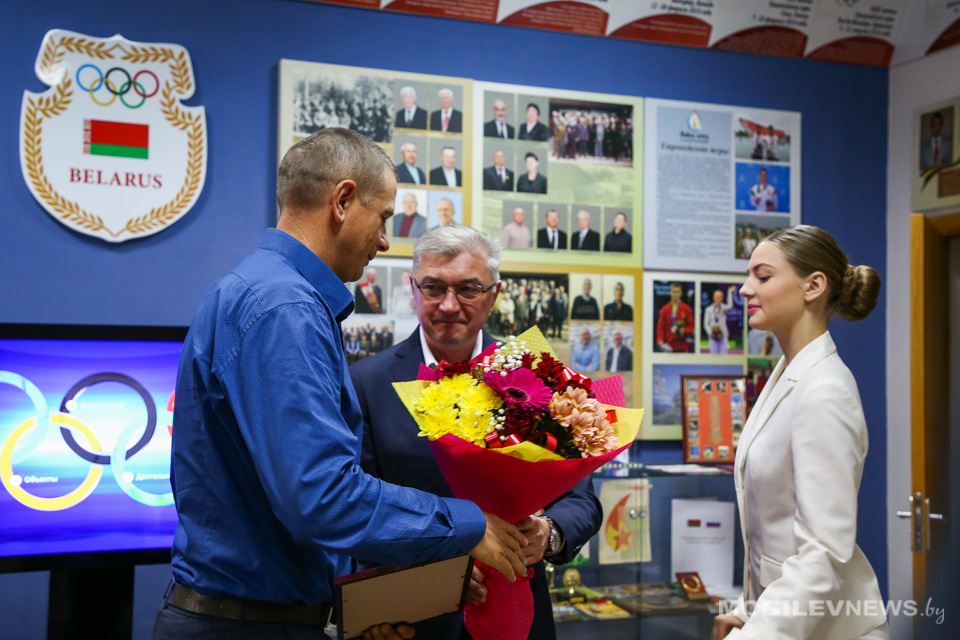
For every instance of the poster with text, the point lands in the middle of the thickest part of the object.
(422, 122)
(557, 174)
(715, 175)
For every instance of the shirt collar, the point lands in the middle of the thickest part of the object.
(315, 270)
(430, 360)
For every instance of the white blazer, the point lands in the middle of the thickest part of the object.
(797, 474)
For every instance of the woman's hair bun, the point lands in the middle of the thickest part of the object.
(859, 291)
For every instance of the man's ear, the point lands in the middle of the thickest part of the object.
(343, 194)
(815, 286)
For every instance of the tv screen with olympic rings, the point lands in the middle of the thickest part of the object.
(86, 419)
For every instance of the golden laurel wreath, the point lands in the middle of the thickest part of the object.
(47, 107)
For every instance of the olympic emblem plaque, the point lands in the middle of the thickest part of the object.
(109, 149)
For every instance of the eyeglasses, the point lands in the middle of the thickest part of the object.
(464, 292)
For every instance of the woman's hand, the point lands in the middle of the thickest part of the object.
(723, 623)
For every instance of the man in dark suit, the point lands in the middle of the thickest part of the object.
(498, 177)
(533, 129)
(498, 127)
(551, 237)
(532, 181)
(408, 171)
(450, 329)
(619, 357)
(586, 239)
(411, 116)
(446, 118)
(584, 306)
(446, 175)
(367, 296)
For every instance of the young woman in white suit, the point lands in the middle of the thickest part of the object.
(801, 455)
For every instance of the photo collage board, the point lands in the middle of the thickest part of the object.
(625, 244)
(559, 174)
(695, 324)
(422, 122)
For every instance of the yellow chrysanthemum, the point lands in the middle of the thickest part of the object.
(480, 397)
(470, 428)
(457, 384)
(436, 395)
(437, 420)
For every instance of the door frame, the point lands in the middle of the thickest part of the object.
(929, 392)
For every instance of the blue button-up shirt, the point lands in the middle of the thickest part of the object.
(266, 444)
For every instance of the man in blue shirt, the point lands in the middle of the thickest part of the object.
(586, 357)
(266, 440)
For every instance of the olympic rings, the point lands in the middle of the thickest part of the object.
(39, 407)
(80, 387)
(36, 502)
(118, 466)
(103, 80)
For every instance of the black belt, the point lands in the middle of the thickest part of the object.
(247, 610)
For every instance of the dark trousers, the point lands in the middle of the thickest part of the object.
(176, 624)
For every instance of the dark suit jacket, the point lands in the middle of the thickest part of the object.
(492, 181)
(419, 119)
(543, 241)
(437, 177)
(393, 451)
(590, 243)
(624, 361)
(454, 126)
(539, 132)
(403, 174)
(537, 185)
(361, 303)
(490, 130)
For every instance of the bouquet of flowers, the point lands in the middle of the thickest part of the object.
(512, 430)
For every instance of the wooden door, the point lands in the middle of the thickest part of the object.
(929, 397)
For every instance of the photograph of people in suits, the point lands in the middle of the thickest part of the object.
(445, 212)
(618, 309)
(408, 171)
(618, 238)
(584, 356)
(454, 301)
(367, 295)
(498, 127)
(410, 223)
(551, 236)
(532, 181)
(532, 128)
(585, 239)
(498, 177)
(591, 132)
(411, 116)
(446, 175)
(585, 306)
(619, 356)
(362, 339)
(514, 234)
(446, 119)
(802, 450)
(360, 103)
(936, 147)
(675, 321)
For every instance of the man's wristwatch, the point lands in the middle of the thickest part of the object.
(555, 543)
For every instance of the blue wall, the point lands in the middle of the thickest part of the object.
(51, 274)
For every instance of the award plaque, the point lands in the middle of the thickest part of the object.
(692, 586)
(714, 412)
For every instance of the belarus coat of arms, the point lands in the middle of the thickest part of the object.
(108, 149)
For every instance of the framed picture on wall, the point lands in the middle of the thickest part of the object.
(714, 410)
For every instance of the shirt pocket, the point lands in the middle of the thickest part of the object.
(770, 570)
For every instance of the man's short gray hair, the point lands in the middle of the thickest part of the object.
(452, 240)
(445, 92)
(312, 167)
(408, 91)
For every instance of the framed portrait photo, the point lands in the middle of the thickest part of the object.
(713, 411)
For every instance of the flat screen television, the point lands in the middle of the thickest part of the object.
(86, 418)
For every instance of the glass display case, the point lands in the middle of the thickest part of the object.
(604, 596)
